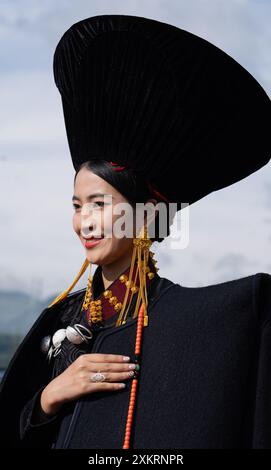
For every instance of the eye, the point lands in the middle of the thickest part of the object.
(96, 204)
(99, 203)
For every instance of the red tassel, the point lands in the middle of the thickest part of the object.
(153, 190)
(151, 186)
(117, 169)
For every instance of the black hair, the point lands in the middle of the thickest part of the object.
(132, 184)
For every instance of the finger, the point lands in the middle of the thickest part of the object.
(115, 377)
(98, 357)
(106, 386)
(109, 367)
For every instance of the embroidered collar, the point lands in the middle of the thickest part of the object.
(109, 301)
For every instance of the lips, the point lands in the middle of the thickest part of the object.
(92, 238)
(90, 242)
(87, 239)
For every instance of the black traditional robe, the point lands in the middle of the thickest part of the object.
(205, 379)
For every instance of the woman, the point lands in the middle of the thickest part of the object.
(163, 104)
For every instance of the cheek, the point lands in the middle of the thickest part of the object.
(122, 225)
(122, 244)
(107, 218)
(76, 223)
(116, 247)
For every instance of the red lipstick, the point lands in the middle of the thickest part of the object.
(92, 242)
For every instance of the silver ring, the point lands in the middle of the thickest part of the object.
(97, 377)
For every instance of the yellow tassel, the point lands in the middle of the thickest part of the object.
(146, 320)
(120, 319)
(66, 292)
(141, 247)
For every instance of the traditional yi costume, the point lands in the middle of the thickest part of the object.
(146, 95)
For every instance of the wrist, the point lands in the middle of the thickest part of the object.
(48, 406)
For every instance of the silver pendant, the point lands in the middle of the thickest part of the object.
(75, 334)
(58, 337)
(53, 352)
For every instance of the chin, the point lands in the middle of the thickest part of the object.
(94, 258)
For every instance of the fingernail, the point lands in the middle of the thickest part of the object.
(126, 358)
(122, 385)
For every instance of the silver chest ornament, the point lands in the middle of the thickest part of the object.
(58, 337)
(76, 334)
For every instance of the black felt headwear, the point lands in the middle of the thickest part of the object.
(163, 101)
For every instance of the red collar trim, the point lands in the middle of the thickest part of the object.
(117, 288)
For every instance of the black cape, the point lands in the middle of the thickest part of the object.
(205, 380)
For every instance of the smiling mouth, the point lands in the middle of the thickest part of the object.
(92, 238)
(90, 242)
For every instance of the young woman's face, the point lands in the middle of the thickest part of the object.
(95, 217)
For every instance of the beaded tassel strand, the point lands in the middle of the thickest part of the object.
(141, 247)
(131, 408)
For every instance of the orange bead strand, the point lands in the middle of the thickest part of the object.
(133, 394)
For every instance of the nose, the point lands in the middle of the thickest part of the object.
(87, 232)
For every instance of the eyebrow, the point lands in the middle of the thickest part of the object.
(91, 196)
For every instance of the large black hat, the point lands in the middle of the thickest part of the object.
(163, 101)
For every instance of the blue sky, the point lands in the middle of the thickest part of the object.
(230, 230)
